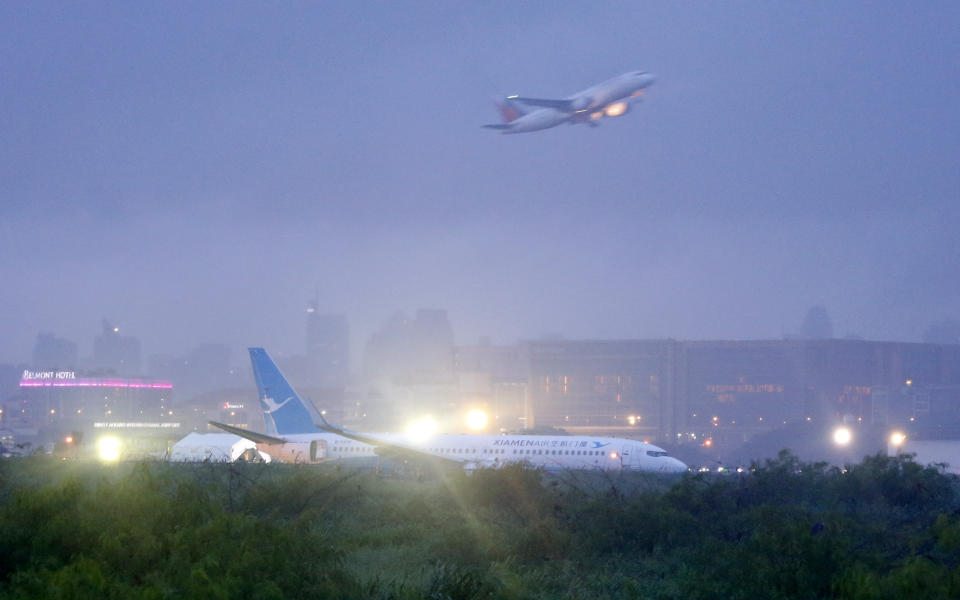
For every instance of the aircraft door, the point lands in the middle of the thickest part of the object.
(318, 450)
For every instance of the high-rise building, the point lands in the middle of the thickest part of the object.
(53, 352)
(115, 352)
(412, 351)
(328, 347)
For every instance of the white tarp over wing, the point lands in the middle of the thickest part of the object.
(216, 447)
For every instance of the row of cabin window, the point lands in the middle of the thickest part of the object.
(464, 451)
(562, 452)
(502, 451)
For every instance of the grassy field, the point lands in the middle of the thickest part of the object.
(885, 528)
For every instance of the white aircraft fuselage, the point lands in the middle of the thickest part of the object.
(611, 98)
(474, 451)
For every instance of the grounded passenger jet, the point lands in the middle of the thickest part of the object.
(292, 436)
(611, 98)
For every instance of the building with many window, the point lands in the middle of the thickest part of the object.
(730, 391)
(52, 405)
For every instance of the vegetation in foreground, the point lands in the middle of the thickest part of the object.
(885, 528)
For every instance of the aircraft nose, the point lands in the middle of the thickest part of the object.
(649, 78)
(676, 466)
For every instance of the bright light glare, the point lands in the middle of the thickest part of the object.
(842, 436)
(897, 438)
(477, 420)
(615, 110)
(421, 430)
(109, 448)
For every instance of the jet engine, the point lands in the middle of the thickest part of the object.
(616, 109)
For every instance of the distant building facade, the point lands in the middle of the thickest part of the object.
(418, 350)
(55, 352)
(603, 386)
(726, 392)
(494, 379)
(53, 404)
(116, 352)
(328, 347)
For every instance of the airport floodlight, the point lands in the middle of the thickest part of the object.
(477, 420)
(842, 436)
(897, 438)
(420, 430)
(109, 448)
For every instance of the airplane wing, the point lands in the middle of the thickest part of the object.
(253, 436)
(388, 448)
(564, 105)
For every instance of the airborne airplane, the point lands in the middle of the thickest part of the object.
(611, 98)
(292, 436)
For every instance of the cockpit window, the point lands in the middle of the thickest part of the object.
(656, 453)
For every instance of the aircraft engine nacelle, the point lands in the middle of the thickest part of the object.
(617, 109)
(581, 104)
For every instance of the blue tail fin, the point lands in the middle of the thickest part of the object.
(283, 410)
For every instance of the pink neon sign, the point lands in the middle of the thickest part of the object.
(81, 382)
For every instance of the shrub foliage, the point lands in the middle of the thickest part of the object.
(885, 528)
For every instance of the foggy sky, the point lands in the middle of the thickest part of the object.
(194, 171)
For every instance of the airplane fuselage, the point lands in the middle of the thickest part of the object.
(610, 98)
(489, 451)
(603, 94)
(542, 118)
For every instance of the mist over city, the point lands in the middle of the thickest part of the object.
(196, 175)
(285, 314)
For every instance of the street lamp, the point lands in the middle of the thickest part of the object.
(897, 439)
(842, 436)
(477, 420)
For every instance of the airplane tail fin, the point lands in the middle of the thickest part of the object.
(509, 111)
(283, 410)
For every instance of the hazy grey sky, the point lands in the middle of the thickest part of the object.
(193, 171)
